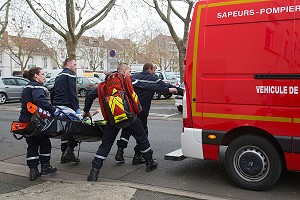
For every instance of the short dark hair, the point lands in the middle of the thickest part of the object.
(148, 66)
(67, 60)
(30, 74)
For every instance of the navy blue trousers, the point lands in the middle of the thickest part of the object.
(125, 135)
(38, 151)
(110, 133)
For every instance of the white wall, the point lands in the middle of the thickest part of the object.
(8, 65)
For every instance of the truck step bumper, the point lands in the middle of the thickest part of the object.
(176, 155)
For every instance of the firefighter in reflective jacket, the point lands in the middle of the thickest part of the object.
(39, 148)
(111, 132)
(145, 85)
(64, 94)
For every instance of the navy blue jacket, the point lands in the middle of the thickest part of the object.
(145, 85)
(35, 93)
(64, 90)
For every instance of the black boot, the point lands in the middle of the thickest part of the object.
(63, 148)
(34, 174)
(138, 159)
(151, 165)
(93, 176)
(119, 156)
(69, 156)
(47, 169)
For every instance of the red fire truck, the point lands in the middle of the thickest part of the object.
(242, 79)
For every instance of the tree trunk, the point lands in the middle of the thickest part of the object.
(182, 53)
(71, 46)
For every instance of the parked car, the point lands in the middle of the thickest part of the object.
(84, 85)
(95, 79)
(177, 74)
(98, 75)
(11, 88)
(168, 77)
(49, 84)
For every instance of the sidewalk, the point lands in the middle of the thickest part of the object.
(22, 188)
(15, 185)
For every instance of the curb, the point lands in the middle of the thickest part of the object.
(22, 170)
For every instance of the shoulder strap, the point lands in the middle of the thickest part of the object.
(101, 98)
(136, 106)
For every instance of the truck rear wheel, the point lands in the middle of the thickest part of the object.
(253, 163)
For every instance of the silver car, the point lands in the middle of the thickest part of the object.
(11, 88)
(169, 78)
(84, 85)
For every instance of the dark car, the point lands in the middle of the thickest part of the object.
(11, 88)
(84, 85)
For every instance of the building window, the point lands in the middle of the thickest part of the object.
(45, 62)
(91, 41)
(0, 72)
(30, 63)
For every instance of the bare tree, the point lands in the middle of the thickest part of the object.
(145, 49)
(4, 23)
(163, 50)
(166, 10)
(129, 53)
(21, 48)
(73, 28)
(91, 50)
(51, 39)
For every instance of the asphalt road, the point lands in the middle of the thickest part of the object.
(190, 175)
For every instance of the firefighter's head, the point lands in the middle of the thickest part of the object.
(71, 64)
(149, 67)
(35, 74)
(124, 68)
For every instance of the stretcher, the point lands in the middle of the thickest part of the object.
(82, 130)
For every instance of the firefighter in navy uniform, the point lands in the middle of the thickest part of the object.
(39, 148)
(111, 132)
(145, 85)
(64, 93)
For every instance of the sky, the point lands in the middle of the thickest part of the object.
(136, 18)
(128, 16)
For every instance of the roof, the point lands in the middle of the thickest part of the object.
(35, 45)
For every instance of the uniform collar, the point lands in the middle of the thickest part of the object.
(68, 70)
(34, 81)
